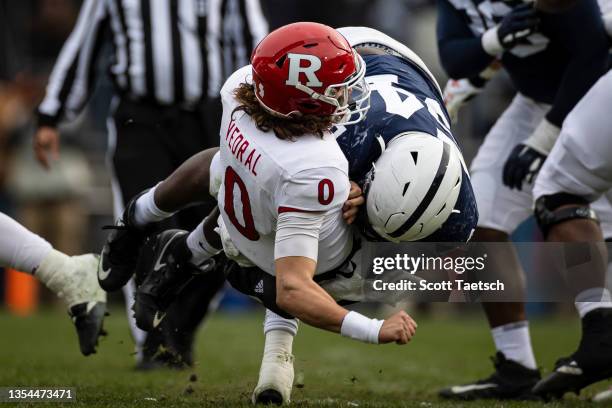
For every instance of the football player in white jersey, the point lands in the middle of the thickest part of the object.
(72, 278)
(281, 182)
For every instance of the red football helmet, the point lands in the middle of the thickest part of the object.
(310, 68)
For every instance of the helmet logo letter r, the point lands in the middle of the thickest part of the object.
(295, 69)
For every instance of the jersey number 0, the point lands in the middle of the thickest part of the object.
(248, 229)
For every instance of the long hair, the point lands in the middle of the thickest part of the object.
(284, 128)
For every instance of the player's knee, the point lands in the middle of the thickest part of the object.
(553, 212)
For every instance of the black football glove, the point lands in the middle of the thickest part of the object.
(520, 23)
(522, 166)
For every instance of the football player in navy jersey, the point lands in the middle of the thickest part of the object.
(552, 60)
(406, 103)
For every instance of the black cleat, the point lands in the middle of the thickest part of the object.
(592, 362)
(88, 319)
(510, 380)
(120, 253)
(163, 271)
(158, 353)
(269, 397)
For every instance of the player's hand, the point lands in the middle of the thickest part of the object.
(517, 25)
(399, 328)
(351, 206)
(46, 145)
(456, 93)
(522, 166)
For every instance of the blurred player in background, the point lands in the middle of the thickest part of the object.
(549, 64)
(72, 278)
(168, 61)
(577, 172)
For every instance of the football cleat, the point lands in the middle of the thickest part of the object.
(166, 348)
(510, 380)
(120, 253)
(592, 362)
(275, 379)
(88, 319)
(73, 278)
(162, 272)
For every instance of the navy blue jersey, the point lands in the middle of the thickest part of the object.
(404, 100)
(555, 65)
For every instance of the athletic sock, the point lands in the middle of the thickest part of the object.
(274, 321)
(147, 211)
(591, 299)
(20, 248)
(278, 341)
(514, 341)
(279, 334)
(52, 271)
(200, 248)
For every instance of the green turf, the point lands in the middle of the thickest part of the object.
(42, 351)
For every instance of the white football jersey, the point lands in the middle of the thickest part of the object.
(261, 176)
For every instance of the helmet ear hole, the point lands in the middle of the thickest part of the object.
(310, 45)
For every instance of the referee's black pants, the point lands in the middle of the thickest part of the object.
(150, 142)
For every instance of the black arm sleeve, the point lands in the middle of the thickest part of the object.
(582, 32)
(461, 52)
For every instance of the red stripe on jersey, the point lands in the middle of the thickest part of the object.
(282, 209)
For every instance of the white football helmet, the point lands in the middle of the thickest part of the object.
(413, 187)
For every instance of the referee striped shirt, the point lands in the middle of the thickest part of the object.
(171, 52)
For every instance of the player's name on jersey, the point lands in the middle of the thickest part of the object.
(238, 144)
(446, 285)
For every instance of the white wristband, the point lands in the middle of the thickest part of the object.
(543, 137)
(359, 327)
(490, 42)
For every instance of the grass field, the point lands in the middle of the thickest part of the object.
(42, 351)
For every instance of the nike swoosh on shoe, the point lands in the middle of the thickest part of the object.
(460, 389)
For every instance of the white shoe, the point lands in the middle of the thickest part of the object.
(75, 280)
(275, 379)
(603, 396)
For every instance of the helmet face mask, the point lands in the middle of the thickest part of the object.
(310, 69)
(352, 96)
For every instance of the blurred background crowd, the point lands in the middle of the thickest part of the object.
(69, 204)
